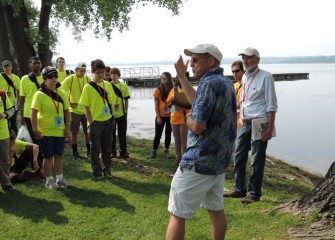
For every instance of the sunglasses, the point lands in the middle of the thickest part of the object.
(196, 60)
(7, 66)
(236, 71)
(163, 78)
(51, 76)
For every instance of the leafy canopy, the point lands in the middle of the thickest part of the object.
(101, 16)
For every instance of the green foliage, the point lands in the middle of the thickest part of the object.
(100, 16)
(134, 204)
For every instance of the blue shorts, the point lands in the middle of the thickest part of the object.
(51, 146)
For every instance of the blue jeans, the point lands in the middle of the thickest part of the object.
(258, 155)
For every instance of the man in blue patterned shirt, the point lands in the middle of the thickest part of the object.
(199, 179)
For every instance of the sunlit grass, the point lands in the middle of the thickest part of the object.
(134, 204)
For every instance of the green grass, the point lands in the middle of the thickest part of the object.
(134, 204)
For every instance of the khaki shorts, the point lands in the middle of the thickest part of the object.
(76, 119)
(190, 191)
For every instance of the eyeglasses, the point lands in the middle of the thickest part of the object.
(163, 78)
(236, 71)
(196, 60)
(51, 76)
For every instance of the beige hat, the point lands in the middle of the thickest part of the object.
(205, 48)
(250, 52)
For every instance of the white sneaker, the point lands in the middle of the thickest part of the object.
(51, 184)
(62, 183)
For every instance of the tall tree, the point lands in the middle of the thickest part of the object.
(26, 31)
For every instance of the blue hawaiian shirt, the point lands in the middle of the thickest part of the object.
(215, 106)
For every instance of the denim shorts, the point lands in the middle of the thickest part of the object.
(51, 146)
(190, 191)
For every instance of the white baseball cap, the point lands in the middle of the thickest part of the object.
(205, 48)
(250, 52)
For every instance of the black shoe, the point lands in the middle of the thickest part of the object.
(167, 154)
(250, 199)
(108, 176)
(234, 194)
(98, 178)
(153, 154)
(8, 188)
(76, 156)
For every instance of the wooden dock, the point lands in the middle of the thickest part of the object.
(150, 76)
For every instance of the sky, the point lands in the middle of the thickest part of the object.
(280, 28)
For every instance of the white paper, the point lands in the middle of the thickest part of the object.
(259, 126)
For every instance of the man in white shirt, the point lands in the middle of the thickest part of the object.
(258, 100)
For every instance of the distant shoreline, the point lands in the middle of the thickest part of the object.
(264, 60)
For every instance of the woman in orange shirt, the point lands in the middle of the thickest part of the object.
(179, 109)
(162, 115)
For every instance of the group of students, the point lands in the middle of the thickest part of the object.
(171, 107)
(52, 104)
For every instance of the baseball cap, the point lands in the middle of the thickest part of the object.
(81, 65)
(250, 52)
(48, 71)
(6, 63)
(205, 48)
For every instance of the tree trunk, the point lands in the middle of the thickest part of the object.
(320, 200)
(43, 32)
(17, 29)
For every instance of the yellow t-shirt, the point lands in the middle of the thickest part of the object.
(61, 75)
(49, 122)
(177, 117)
(74, 86)
(97, 105)
(238, 90)
(8, 89)
(119, 111)
(163, 105)
(19, 146)
(4, 133)
(27, 90)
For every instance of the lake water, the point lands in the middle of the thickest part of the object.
(304, 138)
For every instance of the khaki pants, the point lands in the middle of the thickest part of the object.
(4, 162)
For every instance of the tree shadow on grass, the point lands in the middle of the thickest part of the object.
(141, 187)
(97, 199)
(35, 209)
(135, 186)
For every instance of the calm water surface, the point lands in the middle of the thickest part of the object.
(306, 110)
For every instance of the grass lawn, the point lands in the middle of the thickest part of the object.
(134, 204)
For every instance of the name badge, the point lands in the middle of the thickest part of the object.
(105, 111)
(166, 110)
(58, 121)
(173, 109)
